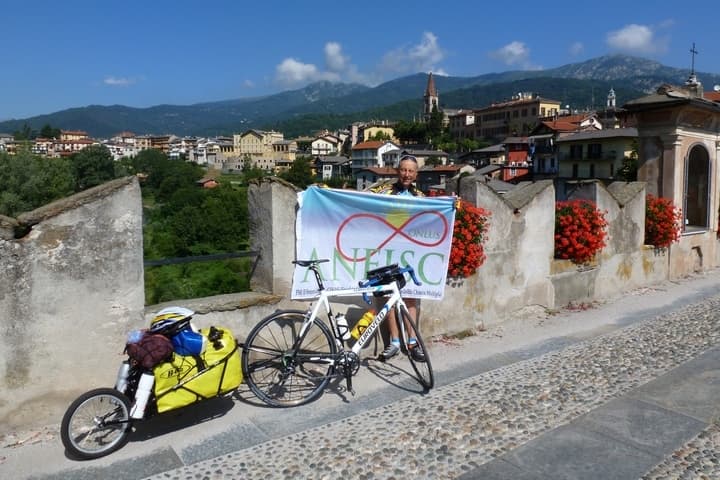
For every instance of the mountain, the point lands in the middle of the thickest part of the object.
(328, 105)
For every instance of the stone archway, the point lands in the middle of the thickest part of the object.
(696, 204)
(679, 155)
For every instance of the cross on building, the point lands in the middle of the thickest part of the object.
(694, 52)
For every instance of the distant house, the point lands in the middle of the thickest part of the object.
(595, 154)
(434, 180)
(492, 155)
(367, 177)
(325, 145)
(517, 165)
(370, 154)
(332, 167)
(207, 183)
(423, 156)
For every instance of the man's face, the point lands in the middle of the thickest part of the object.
(407, 172)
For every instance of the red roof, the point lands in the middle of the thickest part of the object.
(561, 125)
(371, 145)
(712, 96)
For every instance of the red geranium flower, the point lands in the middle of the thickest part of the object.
(467, 252)
(579, 230)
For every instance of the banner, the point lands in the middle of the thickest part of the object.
(360, 231)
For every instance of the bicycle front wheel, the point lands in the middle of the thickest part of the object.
(96, 424)
(422, 366)
(282, 369)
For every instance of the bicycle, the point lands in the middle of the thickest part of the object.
(289, 357)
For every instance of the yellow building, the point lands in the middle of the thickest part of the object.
(516, 117)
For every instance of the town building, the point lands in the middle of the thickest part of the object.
(325, 145)
(595, 154)
(333, 167)
(370, 154)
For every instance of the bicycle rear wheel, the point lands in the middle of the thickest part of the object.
(282, 376)
(423, 368)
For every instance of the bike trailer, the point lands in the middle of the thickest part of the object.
(185, 379)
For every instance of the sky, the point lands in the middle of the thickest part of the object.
(75, 53)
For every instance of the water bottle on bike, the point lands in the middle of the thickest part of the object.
(362, 324)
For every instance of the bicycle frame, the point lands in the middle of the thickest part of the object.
(323, 300)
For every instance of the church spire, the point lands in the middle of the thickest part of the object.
(431, 91)
(432, 101)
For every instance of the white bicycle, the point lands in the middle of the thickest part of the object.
(290, 356)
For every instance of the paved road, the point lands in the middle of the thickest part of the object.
(625, 390)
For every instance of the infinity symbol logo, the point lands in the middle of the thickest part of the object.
(393, 232)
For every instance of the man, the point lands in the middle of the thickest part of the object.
(407, 173)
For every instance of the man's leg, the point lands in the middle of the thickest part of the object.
(394, 346)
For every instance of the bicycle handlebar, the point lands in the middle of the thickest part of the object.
(382, 279)
(376, 281)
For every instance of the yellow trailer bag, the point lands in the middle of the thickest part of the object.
(185, 379)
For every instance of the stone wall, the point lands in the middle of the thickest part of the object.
(71, 286)
(520, 273)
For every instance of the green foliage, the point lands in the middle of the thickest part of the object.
(25, 133)
(380, 136)
(435, 123)
(193, 280)
(92, 166)
(300, 173)
(628, 171)
(48, 131)
(28, 181)
(411, 132)
(250, 170)
(197, 221)
(183, 219)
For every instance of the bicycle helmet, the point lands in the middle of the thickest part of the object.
(171, 320)
(174, 322)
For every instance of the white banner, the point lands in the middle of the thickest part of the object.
(360, 231)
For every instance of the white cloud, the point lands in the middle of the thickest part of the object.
(635, 38)
(427, 53)
(292, 73)
(249, 84)
(334, 58)
(119, 81)
(576, 49)
(514, 53)
(422, 57)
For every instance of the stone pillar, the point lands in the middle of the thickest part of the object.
(673, 185)
(272, 205)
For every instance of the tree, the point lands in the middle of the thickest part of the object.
(433, 161)
(92, 166)
(28, 181)
(300, 173)
(469, 144)
(25, 133)
(49, 132)
(250, 170)
(411, 132)
(628, 170)
(304, 146)
(435, 123)
(381, 136)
